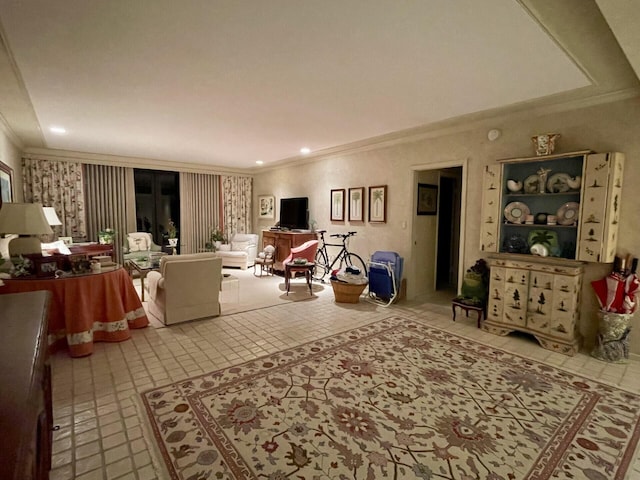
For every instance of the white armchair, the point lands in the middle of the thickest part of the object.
(242, 251)
(187, 287)
(138, 244)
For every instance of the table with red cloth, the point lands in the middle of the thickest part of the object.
(96, 307)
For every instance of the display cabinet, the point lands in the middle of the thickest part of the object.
(564, 206)
(539, 296)
(542, 219)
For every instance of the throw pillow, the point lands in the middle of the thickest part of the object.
(239, 246)
(137, 244)
(225, 247)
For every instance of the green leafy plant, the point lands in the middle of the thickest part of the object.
(21, 267)
(106, 236)
(172, 230)
(216, 235)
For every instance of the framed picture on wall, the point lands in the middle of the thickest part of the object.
(378, 204)
(427, 199)
(337, 205)
(267, 207)
(6, 183)
(66, 240)
(356, 204)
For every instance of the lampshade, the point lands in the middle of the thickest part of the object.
(52, 216)
(24, 219)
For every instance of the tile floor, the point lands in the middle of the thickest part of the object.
(100, 435)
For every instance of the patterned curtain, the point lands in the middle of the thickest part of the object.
(57, 184)
(199, 210)
(236, 194)
(111, 203)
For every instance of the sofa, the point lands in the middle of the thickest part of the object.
(240, 252)
(187, 287)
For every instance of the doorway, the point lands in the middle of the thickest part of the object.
(448, 245)
(439, 240)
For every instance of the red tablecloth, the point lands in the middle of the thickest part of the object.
(98, 307)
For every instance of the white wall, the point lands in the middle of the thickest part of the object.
(11, 155)
(601, 128)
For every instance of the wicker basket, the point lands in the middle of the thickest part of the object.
(347, 292)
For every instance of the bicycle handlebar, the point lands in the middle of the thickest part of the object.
(343, 235)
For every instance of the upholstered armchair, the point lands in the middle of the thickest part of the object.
(307, 250)
(187, 287)
(241, 252)
(138, 245)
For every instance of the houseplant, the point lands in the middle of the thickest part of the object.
(172, 231)
(216, 238)
(105, 236)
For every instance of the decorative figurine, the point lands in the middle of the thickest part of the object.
(542, 176)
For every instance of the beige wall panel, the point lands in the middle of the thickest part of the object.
(601, 128)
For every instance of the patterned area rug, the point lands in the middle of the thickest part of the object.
(394, 399)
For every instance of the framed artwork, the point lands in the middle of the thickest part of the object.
(267, 207)
(337, 205)
(356, 204)
(6, 183)
(66, 240)
(427, 199)
(378, 204)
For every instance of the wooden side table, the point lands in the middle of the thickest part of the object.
(479, 309)
(292, 267)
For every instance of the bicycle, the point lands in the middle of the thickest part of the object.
(344, 257)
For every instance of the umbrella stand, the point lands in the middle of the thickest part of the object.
(612, 342)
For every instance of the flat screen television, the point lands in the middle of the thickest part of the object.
(294, 213)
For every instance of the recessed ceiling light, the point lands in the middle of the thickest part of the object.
(305, 150)
(259, 162)
(58, 130)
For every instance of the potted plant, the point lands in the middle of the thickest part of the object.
(105, 237)
(172, 232)
(216, 237)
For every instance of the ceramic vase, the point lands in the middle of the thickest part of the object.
(545, 143)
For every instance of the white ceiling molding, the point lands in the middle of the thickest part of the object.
(137, 162)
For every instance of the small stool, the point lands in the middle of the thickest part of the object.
(265, 264)
(306, 268)
(479, 309)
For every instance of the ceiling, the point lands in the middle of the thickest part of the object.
(225, 83)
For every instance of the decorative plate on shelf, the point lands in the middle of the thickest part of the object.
(568, 213)
(532, 184)
(559, 183)
(515, 212)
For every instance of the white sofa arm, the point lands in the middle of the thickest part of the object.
(154, 282)
(252, 252)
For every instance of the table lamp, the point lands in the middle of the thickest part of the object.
(26, 220)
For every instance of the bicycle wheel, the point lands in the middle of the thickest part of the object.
(354, 260)
(321, 268)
